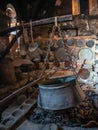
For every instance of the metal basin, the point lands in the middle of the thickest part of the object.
(57, 94)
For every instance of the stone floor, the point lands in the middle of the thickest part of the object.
(27, 125)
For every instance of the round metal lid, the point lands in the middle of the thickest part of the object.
(90, 43)
(84, 73)
(80, 43)
(85, 54)
(70, 41)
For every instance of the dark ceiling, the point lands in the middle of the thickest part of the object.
(38, 9)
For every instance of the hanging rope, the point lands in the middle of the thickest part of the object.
(55, 28)
(31, 30)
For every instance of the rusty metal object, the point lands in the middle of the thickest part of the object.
(56, 63)
(84, 73)
(61, 54)
(57, 95)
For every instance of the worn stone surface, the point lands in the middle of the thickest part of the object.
(27, 125)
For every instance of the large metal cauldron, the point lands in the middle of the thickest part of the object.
(58, 94)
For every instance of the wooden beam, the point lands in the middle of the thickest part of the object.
(75, 7)
(51, 20)
(93, 6)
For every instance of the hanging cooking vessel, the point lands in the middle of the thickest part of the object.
(58, 94)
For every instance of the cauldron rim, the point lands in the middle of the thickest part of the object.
(51, 87)
(54, 84)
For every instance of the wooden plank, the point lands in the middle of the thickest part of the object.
(75, 7)
(50, 20)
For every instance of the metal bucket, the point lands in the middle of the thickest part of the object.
(58, 94)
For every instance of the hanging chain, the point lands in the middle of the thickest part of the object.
(68, 52)
(50, 44)
(58, 28)
(48, 50)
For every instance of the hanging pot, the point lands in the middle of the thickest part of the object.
(57, 94)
